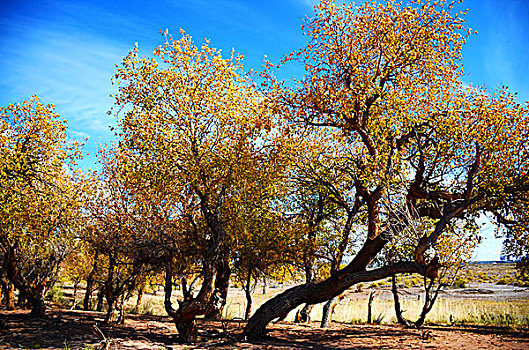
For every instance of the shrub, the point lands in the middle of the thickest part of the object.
(460, 283)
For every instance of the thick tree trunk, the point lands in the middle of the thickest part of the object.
(32, 293)
(100, 298)
(328, 310)
(38, 307)
(311, 293)
(110, 317)
(220, 294)
(316, 293)
(187, 330)
(9, 296)
(184, 317)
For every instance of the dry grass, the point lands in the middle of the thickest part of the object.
(353, 309)
(445, 311)
(449, 309)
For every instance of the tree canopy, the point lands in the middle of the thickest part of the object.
(40, 197)
(387, 76)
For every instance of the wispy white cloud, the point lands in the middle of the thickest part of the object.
(64, 65)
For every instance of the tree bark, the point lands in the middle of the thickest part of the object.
(185, 316)
(220, 294)
(313, 293)
(328, 310)
(9, 295)
(139, 298)
(38, 307)
(100, 298)
(248, 295)
(370, 307)
(32, 293)
(90, 285)
(396, 303)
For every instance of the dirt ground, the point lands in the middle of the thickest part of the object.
(81, 330)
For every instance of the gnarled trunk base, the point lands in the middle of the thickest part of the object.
(316, 293)
(187, 331)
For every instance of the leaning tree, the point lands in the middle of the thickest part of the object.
(387, 76)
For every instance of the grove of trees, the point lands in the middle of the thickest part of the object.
(377, 162)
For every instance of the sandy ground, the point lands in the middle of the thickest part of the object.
(77, 330)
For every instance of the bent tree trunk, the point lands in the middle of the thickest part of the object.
(328, 310)
(184, 317)
(313, 293)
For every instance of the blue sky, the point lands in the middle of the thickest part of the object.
(66, 51)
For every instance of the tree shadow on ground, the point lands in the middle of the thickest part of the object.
(77, 329)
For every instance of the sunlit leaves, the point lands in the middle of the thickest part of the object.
(39, 193)
(386, 79)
